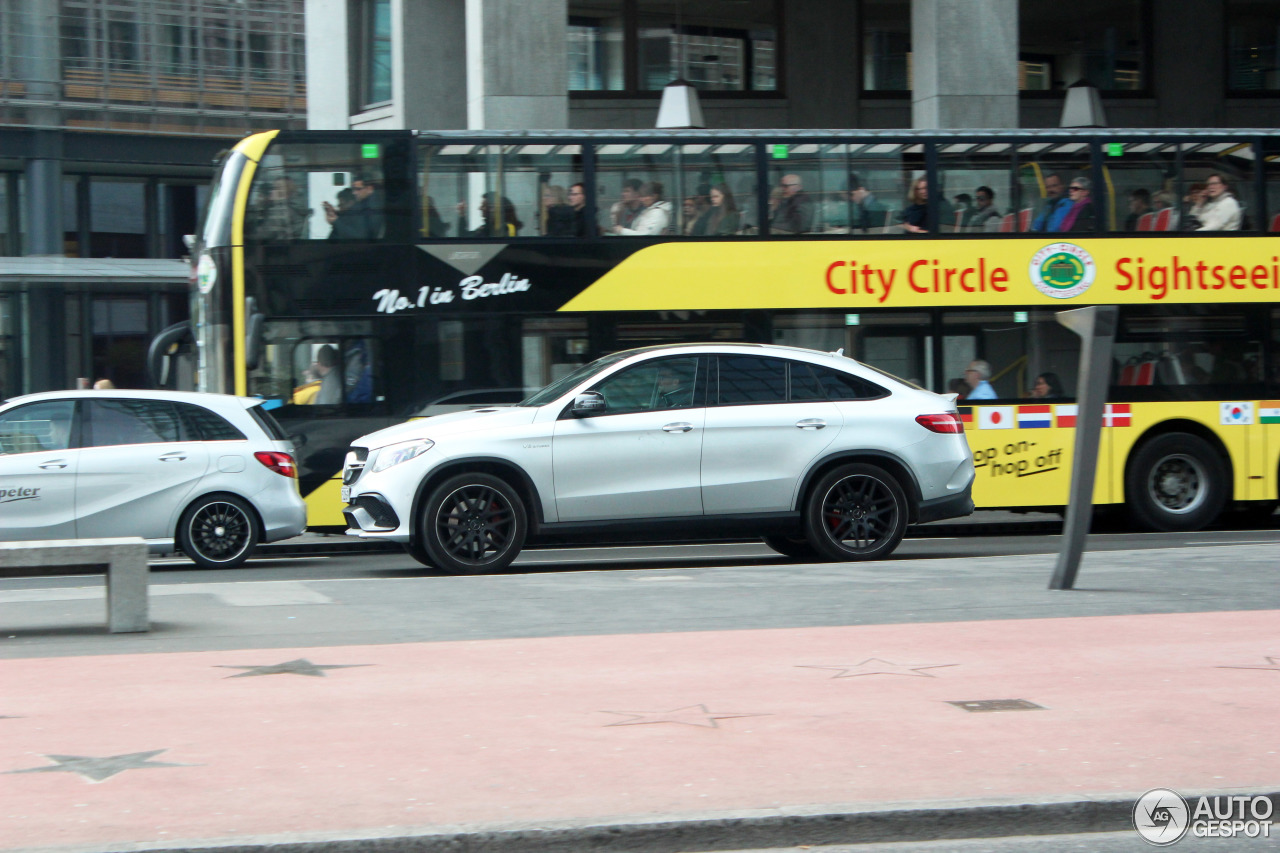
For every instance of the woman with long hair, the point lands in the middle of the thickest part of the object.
(915, 216)
(722, 218)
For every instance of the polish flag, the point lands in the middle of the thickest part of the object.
(995, 417)
(1066, 415)
(1117, 415)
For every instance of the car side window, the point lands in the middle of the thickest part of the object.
(845, 386)
(746, 379)
(805, 387)
(113, 422)
(37, 427)
(668, 383)
(200, 424)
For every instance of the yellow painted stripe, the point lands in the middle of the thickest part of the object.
(252, 147)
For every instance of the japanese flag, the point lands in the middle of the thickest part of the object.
(996, 417)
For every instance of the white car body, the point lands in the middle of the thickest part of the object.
(704, 465)
(97, 464)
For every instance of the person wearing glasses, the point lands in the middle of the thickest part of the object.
(1080, 215)
(1219, 211)
(794, 213)
(1056, 205)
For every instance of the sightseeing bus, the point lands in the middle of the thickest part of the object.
(359, 279)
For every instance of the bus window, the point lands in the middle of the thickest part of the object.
(319, 191)
(897, 342)
(975, 187)
(638, 189)
(1017, 346)
(1142, 178)
(1057, 191)
(1172, 346)
(1218, 187)
(717, 191)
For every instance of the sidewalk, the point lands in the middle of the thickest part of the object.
(676, 741)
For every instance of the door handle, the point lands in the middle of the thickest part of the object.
(173, 457)
(811, 423)
(55, 463)
(682, 426)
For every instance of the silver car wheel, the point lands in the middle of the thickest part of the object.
(218, 532)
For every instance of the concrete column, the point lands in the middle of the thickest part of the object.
(964, 63)
(43, 196)
(329, 72)
(429, 77)
(517, 66)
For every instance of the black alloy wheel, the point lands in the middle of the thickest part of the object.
(218, 532)
(856, 512)
(1176, 481)
(472, 524)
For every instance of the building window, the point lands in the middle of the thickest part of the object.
(886, 46)
(1253, 46)
(640, 46)
(373, 52)
(1098, 43)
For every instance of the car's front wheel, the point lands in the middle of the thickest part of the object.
(795, 547)
(218, 532)
(856, 512)
(472, 524)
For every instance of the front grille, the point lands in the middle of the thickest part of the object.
(353, 465)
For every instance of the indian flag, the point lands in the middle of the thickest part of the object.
(1269, 412)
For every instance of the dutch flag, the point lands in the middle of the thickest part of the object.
(1035, 417)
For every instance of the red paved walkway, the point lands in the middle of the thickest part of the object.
(500, 731)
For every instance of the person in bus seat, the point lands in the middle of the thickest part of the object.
(1080, 216)
(578, 202)
(985, 209)
(1139, 206)
(959, 387)
(794, 213)
(963, 209)
(436, 226)
(557, 215)
(331, 389)
(721, 218)
(866, 212)
(1220, 211)
(689, 215)
(628, 207)
(915, 216)
(363, 219)
(977, 375)
(498, 216)
(1055, 207)
(654, 216)
(1047, 386)
(285, 213)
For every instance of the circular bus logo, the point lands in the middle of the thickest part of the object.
(1062, 270)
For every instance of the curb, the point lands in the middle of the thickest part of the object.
(760, 829)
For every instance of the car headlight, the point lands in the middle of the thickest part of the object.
(394, 454)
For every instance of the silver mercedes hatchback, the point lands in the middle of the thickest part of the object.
(823, 456)
(210, 474)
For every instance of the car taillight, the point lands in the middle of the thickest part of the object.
(949, 423)
(281, 463)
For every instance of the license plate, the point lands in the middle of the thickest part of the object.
(346, 494)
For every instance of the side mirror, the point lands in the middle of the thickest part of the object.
(588, 403)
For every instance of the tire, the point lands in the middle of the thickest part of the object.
(414, 549)
(856, 512)
(1176, 481)
(472, 524)
(218, 532)
(792, 546)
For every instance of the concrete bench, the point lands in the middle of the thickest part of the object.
(124, 561)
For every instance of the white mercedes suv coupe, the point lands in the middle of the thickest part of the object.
(827, 458)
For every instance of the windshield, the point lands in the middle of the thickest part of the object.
(564, 383)
(216, 229)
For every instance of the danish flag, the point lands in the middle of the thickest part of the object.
(1117, 415)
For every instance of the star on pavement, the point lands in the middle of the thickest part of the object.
(301, 666)
(98, 769)
(877, 666)
(690, 715)
(1272, 663)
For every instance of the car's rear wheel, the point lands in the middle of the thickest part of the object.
(796, 547)
(1176, 481)
(472, 524)
(856, 512)
(218, 532)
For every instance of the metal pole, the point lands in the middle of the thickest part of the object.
(1096, 327)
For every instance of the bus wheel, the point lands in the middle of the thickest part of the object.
(856, 512)
(472, 524)
(1175, 481)
(796, 547)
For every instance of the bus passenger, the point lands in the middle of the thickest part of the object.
(498, 215)
(557, 215)
(1047, 385)
(331, 384)
(578, 201)
(794, 213)
(654, 215)
(363, 219)
(624, 211)
(284, 215)
(867, 212)
(1080, 216)
(1220, 210)
(985, 211)
(1055, 206)
(915, 216)
(721, 219)
(1139, 206)
(977, 374)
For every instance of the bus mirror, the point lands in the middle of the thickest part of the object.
(189, 240)
(252, 334)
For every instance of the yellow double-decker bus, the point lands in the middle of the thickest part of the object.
(359, 279)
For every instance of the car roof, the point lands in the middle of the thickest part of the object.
(776, 350)
(198, 397)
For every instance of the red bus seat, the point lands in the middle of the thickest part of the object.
(1275, 224)
(1146, 222)
(1163, 218)
(1006, 223)
(1024, 219)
